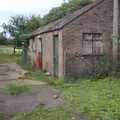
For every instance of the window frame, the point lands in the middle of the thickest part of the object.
(92, 42)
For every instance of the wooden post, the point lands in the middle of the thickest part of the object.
(115, 30)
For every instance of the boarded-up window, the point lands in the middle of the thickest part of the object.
(92, 43)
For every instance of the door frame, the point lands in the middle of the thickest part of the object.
(41, 52)
(55, 55)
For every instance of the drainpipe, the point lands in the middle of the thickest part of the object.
(115, 31)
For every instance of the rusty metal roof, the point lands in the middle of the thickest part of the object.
(58, 24)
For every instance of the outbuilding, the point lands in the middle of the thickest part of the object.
(80, 43)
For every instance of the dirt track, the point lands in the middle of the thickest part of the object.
(43, 94)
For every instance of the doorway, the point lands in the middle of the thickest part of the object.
(55, 55)
(40, 53)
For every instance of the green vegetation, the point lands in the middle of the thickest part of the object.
(40, 76)
(6, 58)
(64, 9)
(45, 114)
(100, 99)
(3, 88)
(1, 116)
(20, 25)
(55, 81)
(17, 89)
(3, 39)
(4, 49)
(97, 99)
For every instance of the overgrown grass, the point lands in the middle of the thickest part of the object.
(6, 54)
(6, 58)
(49, 79)
(1, 116)
(55, 81)
(45, 114)
(40, 76)
(100, 100)
(17, 89)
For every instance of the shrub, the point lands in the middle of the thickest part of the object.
(17, 89)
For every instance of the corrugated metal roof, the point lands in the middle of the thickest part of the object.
(58, 24)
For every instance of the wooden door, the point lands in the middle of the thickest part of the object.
(40, 52)
(55, 55)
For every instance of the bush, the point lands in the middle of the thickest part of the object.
(17, 89)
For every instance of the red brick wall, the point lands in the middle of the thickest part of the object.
(97, 20)
(47, 55)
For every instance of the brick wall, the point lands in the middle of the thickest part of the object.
(97, 20)
(47, 49)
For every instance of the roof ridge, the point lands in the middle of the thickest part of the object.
(58, 24)
(92, 5)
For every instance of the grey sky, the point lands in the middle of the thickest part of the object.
(26, 7)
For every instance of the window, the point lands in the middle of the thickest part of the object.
(92, 43)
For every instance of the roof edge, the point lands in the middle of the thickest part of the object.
(93, 5)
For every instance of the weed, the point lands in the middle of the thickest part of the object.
(55, 81)
(17, 89)
(39, 75)
(97, 99)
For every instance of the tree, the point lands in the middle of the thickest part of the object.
(65, 8)
(3, 40)
(32, 23)
(15, 27)
(19, 25)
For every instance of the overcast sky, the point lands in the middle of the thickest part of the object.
(26, 7)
